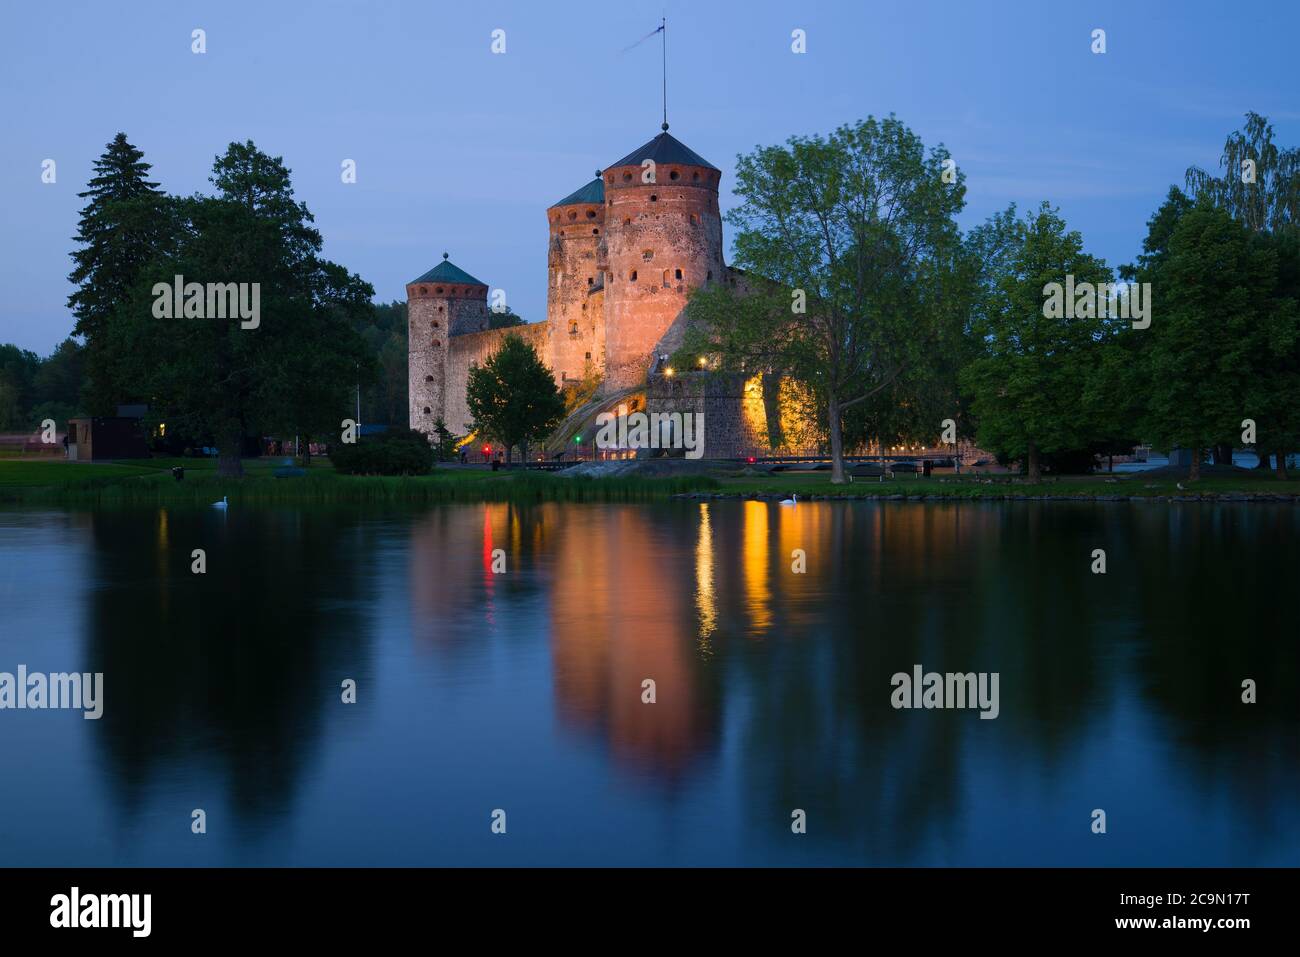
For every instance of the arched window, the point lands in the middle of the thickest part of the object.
(679, 273)
(674, 175)
(633, 276)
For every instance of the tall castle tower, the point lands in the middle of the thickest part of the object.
(446, 301)
(663, 239)
(574, 300)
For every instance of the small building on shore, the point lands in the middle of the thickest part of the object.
(104, 438)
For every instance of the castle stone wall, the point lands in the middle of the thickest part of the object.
(474, 349)
(735, 423)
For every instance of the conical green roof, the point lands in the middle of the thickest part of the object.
(448, 272)
(593, 193)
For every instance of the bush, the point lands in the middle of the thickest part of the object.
(405, 452)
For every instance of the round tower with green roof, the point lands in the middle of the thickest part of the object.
(575, 284)
(446, 301)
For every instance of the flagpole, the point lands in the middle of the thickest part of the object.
(663, 26)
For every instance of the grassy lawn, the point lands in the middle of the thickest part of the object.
(150, 482)
(28, 472)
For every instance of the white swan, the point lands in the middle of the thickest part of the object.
(222, 504)
(792, 500)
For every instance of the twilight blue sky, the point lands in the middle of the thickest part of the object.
(463, 150)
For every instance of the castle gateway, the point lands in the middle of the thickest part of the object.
(624, 253)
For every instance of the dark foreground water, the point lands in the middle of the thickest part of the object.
(522, 691)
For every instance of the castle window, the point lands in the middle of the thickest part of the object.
(440, 308)
(710, 275)
(423, 290)
(590, 282)
(633, 276)
(679, 274)
(627, 177)
(665, 279)
(627, 220)
(435, 323)
(591, 214)
(573, 215)
(573, 328)
(647, 254)
(673, 175)
(695, 220)
(428, 378)
(588, 356)
(654, 198)
(695, 177)
(595, 232)
(427, 410)
(438, 290)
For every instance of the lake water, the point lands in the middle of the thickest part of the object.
(522, 691)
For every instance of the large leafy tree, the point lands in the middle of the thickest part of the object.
(1258, 184)
(1220, 324)
(512, 396)
(124, 226)
(1027, 384)
(851, 242)
(296, 370)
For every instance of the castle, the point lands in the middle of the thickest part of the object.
(624, 253)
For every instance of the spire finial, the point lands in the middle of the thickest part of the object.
(446, 256)
(599, 174)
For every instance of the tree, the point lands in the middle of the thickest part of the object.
(505, 319)
(296, 368)
(1220, 319)
(124, 227)
(1036, 361)
(512, 396)
(851, 241)
(1260, 188)
(18, 372)
(1260, 184)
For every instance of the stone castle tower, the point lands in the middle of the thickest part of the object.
(664, 238)
(575, 299)
(446, 301)
(624, 253)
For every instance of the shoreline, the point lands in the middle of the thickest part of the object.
(139, 484)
